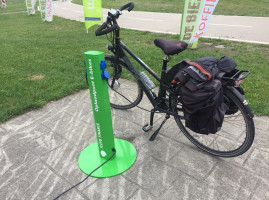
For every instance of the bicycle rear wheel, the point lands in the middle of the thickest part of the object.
(122, 84)
(236, 135)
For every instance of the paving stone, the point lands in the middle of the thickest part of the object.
(142, 156)
(73, 194)
(39, 153)
(83, 95)
(153, 175)
(141, 140)
(163, 148)
(46, 112)
(9, 174)
(142, 195)
(134, 115)
(68, 101)
(186, 187)
(17, 123)
(193, 161)
(80, 95)
(60, 158)
(262, 191)
(80, 110)
(31, 132)
(82, 135)
(261, 140)
(5, 137)
(126, 129)
(38, 182)
(113, 188)
(239, 160)
(171, 130)
(225, 197)
(258, 163)
(261, 123)
(45, 143)
(235, 182)
(232, 128)
(62, 122)
(12, 154)
(64, 160)
(87, 117)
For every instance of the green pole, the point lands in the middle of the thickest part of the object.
(101, 108)
(97, 153)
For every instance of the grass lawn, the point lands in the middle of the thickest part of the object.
(14, 6)
(225, 7)
(41, 62)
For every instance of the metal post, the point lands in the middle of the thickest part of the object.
(96, 153)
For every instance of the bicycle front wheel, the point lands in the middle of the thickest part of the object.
(124, 90)
(236, 135)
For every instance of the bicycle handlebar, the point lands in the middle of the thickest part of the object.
(103, 29)
(100, 30)
(130, 6)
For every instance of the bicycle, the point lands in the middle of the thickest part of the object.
(224, 143)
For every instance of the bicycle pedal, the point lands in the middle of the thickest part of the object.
(147, 128)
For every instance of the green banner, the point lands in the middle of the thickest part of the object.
(195, 19)
(29, 6)
(42, 7)
(190, 18)
(92, 12)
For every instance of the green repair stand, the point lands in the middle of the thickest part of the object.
(97, 153)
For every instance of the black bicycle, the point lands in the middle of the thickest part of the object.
(127, 85)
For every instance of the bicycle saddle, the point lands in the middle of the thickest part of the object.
(170, 47)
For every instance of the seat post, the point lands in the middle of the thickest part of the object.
(165, 61)
(162, 90)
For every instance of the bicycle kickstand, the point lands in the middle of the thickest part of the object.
(158, 130)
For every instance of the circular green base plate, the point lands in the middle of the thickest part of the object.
(90, 159)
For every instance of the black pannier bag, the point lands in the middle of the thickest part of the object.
(226, 64)
(204, 108)
(201, 93)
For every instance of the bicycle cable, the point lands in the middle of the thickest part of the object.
(114, 150)
(127, 98)
(164, 111)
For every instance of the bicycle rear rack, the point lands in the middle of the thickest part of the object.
(235, 76)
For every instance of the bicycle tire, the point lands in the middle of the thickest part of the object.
(126, 85)
(224, 136)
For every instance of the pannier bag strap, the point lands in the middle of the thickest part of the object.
(181, 77)
(201, 69)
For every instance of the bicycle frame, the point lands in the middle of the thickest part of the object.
(120, 52)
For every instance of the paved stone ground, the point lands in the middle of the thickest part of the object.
(39, 152)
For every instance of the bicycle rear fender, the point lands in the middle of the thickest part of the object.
(241, 98)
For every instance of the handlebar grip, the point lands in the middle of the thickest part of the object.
(130, 5)
(100, 30)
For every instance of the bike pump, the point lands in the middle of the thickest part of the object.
(97, 153)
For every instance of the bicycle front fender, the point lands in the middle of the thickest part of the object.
(241, 98)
